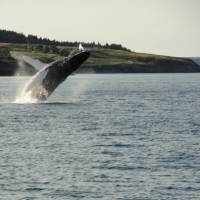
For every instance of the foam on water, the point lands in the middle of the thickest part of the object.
(22, 96)
(25, 98)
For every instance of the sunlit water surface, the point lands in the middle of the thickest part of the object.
(102, 137)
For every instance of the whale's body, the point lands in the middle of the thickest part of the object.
(46, 80)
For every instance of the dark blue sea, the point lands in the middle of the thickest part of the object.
(120, 137)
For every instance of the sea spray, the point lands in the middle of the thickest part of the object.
(25, 98)
(22, 96)
(79, 88)
(25, 95)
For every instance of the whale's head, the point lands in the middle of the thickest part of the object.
(77, 57)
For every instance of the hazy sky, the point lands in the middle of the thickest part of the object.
(170, 27)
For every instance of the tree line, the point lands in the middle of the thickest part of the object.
(14, 37)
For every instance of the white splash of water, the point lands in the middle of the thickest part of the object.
(18, 57)
(24, 95)
(24, 98)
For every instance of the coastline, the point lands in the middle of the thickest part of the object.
(101, 61)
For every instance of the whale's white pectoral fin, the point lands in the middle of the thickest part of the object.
(38, 65)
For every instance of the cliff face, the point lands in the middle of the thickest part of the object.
(157, 66)
(196, 60)
(101, 61)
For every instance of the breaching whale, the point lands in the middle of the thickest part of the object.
(46, 80)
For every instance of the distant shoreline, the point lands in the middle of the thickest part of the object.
(102, 61)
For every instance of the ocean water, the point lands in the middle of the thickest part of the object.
(123, 137)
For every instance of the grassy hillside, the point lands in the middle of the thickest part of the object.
(101, 60)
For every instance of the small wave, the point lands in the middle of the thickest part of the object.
(36, 101)
(34, 189)
(59, 103)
